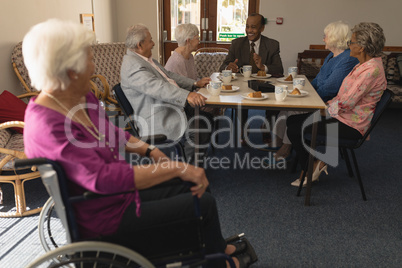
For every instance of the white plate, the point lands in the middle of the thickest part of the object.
(264, 96)
(220, 77)
(282, 80)
(234, 88)
(258, 76)
(303, 94)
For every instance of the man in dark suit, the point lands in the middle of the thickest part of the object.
(256, 50)
(266, 50)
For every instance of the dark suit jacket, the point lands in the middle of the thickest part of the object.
(269, 53)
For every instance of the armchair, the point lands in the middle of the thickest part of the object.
(107, 57)
(208, 60)
(12, 147)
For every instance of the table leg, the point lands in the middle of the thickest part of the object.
(236, 124)
(311, 158)
(197, 134)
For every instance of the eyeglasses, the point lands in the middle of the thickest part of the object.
(350, 43)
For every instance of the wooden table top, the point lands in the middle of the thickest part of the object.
(231, 99)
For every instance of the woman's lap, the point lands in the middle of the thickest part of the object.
(295, 128)
(165, 206)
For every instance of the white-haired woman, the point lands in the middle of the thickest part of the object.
(353, 107)
(182, 61)
(336, 67)
(66, 124)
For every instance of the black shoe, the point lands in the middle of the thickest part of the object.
(250, 250)
(240, 246)
(241, 239)
(244, 260)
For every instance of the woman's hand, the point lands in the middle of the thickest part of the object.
(195, 175)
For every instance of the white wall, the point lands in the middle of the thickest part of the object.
(304, 22)
(131, 12)
(17, 17)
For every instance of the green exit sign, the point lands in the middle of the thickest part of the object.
(231, 35)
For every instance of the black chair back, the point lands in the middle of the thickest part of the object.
(385, 100)
(126, 107)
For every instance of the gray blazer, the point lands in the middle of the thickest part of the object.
(269, 53)
(158, 105)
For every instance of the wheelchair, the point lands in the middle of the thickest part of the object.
(76, 253)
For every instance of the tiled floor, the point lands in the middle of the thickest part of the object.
(19, 239)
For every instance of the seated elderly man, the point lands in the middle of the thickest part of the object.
(163, 101)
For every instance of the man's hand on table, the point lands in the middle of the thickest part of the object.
(195, 99)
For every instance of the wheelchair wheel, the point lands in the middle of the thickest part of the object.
(91, 254)
(51, 231)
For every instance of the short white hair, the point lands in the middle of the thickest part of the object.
(52, 48)
(184, 32)
(135, 35)
(338, 34)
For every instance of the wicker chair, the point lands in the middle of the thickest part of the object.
(12, 147)
(107, 58)
(209, 59)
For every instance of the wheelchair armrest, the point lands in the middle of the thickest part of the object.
(21, 163)
(154, 139)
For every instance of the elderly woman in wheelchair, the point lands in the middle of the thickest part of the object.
(66, 124)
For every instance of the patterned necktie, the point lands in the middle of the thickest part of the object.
(251, 60)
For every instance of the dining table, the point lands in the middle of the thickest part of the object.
(237, 98)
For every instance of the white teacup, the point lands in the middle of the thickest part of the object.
(226, 76)
(299, 83)
(246, 70)
(281, 92)
(293, 71)
(214, 87)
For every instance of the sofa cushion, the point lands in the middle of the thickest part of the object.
(11, 109)
(5, 136)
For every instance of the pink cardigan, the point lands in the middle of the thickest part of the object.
(358, 95)
(89, 164)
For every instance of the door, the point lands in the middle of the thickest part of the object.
(219, 21)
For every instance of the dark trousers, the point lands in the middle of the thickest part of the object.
(204, 138)
(244, 117)
(169, 203)
(294, 131)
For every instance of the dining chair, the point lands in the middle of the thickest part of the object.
(353, 144)
(128, 112)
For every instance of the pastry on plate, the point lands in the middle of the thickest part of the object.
(256, 94)
(295, 91)
(289, 78)
(227, 87)
(261, 73)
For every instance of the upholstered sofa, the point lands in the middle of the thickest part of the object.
(310, 61)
